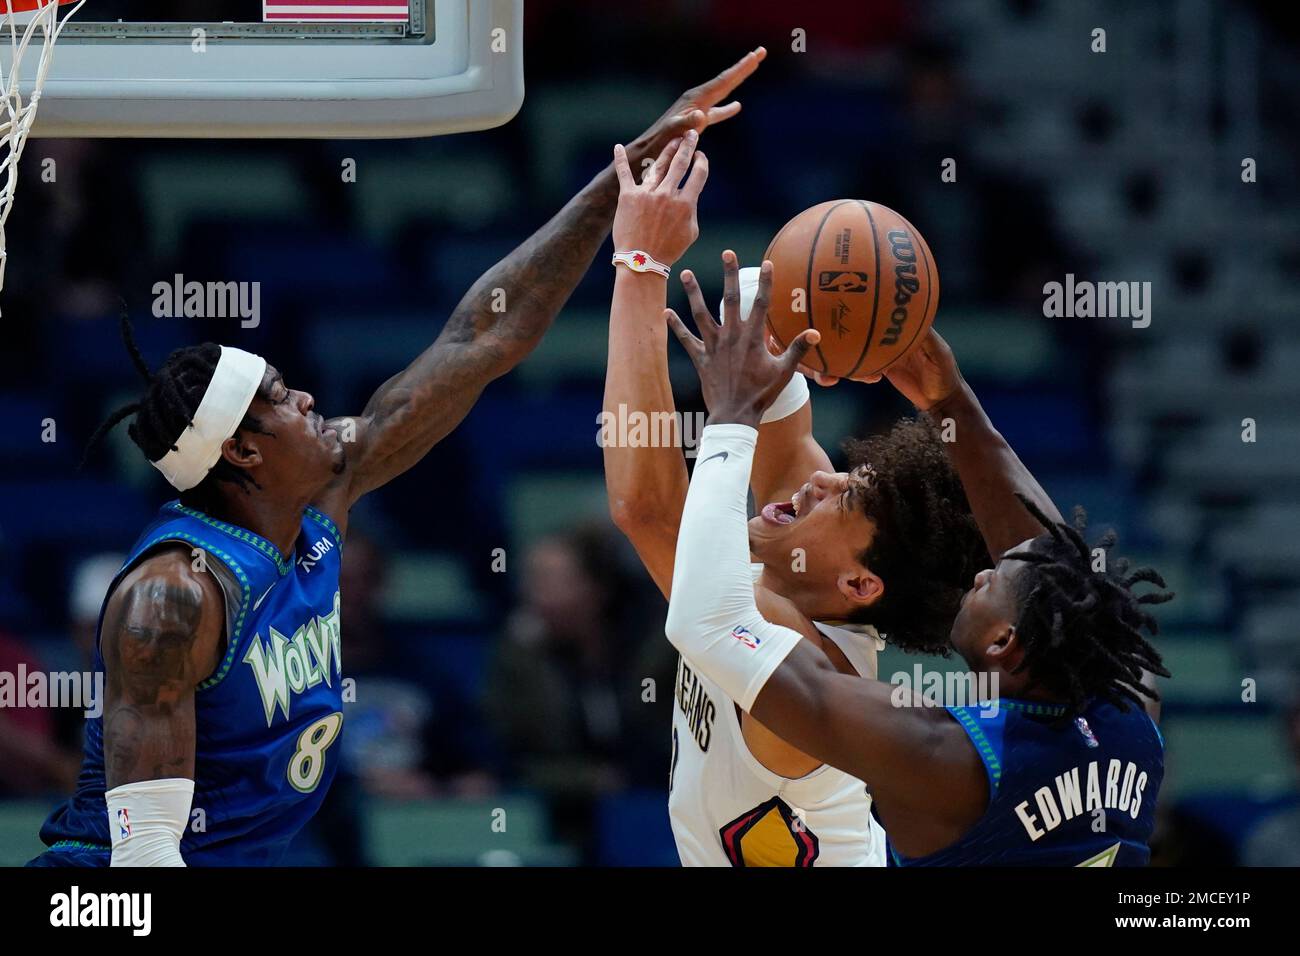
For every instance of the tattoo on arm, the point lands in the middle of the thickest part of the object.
(149, 645)
(496, 324)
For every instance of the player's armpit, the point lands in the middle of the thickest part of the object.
(161, 637)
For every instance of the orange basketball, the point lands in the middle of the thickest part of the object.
(862, 276)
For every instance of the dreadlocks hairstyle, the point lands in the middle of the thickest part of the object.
(171, 398)
(927, 546)
(1082, 629)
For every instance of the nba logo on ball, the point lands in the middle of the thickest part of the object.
(123, 824)
(742, 634)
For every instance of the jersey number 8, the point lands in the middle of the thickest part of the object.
(308, 761)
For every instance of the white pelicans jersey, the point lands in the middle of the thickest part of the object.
(727, 809)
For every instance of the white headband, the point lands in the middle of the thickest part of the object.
(235, 381)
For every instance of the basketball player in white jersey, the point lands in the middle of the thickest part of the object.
(828, 547)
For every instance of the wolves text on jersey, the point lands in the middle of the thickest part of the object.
(284, 665)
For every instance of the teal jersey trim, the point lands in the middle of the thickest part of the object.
(1156, 727)
(323, 520)
(282, 564)
(988, 755)
(1029, 707)
(79, 845)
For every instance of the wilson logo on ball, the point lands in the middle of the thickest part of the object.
(905, 284)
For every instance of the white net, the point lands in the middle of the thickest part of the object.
(39, 25)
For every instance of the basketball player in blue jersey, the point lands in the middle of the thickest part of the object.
(219, 639)
(1063, 767)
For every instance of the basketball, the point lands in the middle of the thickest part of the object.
(862, 276)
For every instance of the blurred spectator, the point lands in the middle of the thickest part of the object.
(407, 730)
(567, 689)
(32, 761)
(90, 580)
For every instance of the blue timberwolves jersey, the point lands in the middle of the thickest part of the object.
(267, 721)
(1082, 793)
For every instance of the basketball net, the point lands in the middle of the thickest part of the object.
(23, 23)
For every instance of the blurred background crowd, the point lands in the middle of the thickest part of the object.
(517, 679)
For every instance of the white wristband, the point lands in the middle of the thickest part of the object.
(146, 821)
(640, 261)
(795, 394)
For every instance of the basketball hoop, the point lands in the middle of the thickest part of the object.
(16, 116)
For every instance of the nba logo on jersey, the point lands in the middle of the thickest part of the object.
(742, 634)
(123, 824)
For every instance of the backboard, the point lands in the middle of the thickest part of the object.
(282, 68)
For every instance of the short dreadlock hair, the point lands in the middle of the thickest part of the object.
(927, 547)
(1082, 629)
(167, 408)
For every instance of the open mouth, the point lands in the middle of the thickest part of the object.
(780, 512)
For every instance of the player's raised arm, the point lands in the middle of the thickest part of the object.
(505, 313)
(993, 476)
(655, 224)
(990, 471)
(161, 637)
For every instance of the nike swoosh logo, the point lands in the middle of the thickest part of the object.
(258, 602)
(721, 454)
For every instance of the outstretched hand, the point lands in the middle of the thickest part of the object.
(695, 109)
(739, 376)
(658, 215)
(928, 374)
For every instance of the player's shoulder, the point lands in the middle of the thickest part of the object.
(168, 582)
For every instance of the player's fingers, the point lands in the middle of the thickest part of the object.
(824, 380)
(717, 114)
(730, 78)
(680, 162)
(730, 288)
(623, 169)
(762, 296)
(699, 310)
(800, 347)
(684, 335)
(656, 170)
(694, 184)
(873, 379)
